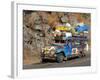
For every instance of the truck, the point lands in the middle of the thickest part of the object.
(73, 46)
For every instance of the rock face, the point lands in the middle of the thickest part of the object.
(36, 36)
(37, 31)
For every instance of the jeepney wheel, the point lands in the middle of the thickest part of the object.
(60, 57)
(82, 54)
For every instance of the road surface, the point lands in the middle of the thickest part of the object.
(73, 62)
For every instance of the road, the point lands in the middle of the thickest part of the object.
(73, 62)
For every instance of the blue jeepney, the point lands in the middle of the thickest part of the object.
(63, 51)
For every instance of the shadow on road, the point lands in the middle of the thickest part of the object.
(52, 61)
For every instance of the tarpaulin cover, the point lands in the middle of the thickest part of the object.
(82, 28)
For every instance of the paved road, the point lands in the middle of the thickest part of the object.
(73, 62)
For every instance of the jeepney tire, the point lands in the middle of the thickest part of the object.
(82, 55)
(60, 57)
